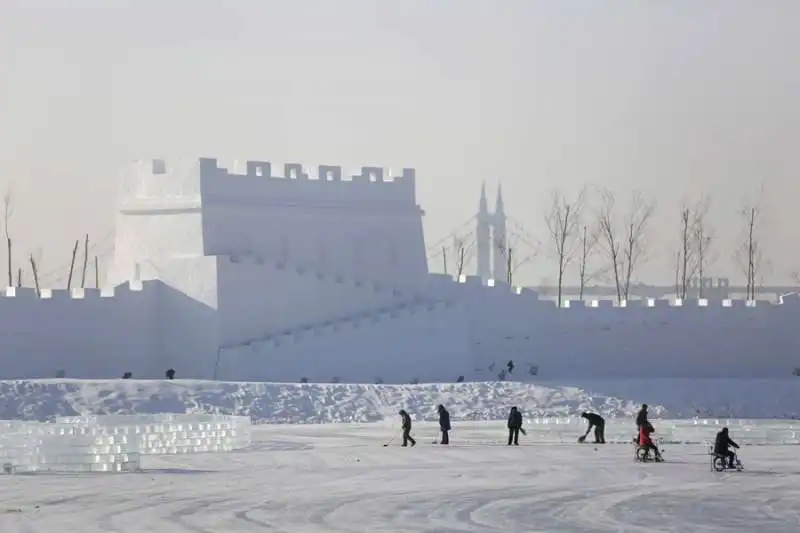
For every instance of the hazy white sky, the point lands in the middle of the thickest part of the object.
(674, 98)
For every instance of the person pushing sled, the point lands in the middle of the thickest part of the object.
(645, 444)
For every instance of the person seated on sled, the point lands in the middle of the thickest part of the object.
(646, 442)
(598, 423)
(722, 446)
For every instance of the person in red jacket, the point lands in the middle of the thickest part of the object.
(646, 442)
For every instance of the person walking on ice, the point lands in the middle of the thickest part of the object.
(444, 424)
(406, 419)
(514, 426)
(598, 423)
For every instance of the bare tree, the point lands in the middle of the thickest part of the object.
(686, 252)
(8, 213)
(625, 247)
(608, 233)
(563, 224)
(636, 222)
(588, 244)
(511, 259)
(703, 238)
(463, 253)
(692, 255)
(749, 254)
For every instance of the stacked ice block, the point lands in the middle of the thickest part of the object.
(168, 434)
(36, 447)
(114, 443)
(163, 434)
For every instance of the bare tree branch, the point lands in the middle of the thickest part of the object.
(608, 235)
(563, 224)
(686, 252)
(639, 215)
(8, 213)
(702, 240)
(749, 254)
(512, 261)
(463, 254)
(625, 248)
(589, 239)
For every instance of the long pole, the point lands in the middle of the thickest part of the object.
(85, 260)
(72, 264)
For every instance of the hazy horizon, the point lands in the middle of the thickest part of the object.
(676, 99)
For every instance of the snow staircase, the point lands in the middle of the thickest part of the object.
(392, 301)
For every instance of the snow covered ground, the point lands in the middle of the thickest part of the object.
(316, 403)
(340, 478)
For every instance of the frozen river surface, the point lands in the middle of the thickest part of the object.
(341, 478)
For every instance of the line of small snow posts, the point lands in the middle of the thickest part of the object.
(115, 443)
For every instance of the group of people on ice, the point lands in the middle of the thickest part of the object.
(444, 426)
(514, 426)
(644, 440)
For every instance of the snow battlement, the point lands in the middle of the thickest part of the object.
(792, 299)
(330, 174)
(153, 182)
(156, 184)
(255, 181)
(30, 293)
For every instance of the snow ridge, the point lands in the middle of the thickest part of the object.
(325, 403)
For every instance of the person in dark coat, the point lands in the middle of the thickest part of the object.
(514, 426)
(722, 446)
(406, 428)
(599, 424)
(641, 417)
(444, 424)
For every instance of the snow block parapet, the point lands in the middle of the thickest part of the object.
(255, 181)
(30, 293)
(296, 171)
(792, 299)
(155, 180)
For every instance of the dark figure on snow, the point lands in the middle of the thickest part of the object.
(444, 424)
(170, 373)
(646, 442)
(127, 375)
(599, 424)
(641, 417)
(406, 428)
(722, 446)
(514, 426)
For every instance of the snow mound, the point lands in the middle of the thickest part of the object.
(321, 403)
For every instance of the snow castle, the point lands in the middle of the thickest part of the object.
(239, 274)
